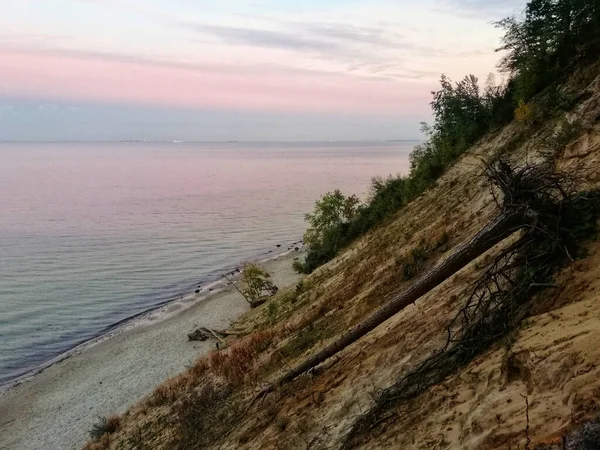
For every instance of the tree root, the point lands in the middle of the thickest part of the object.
(502, 296)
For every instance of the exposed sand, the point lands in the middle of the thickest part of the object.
(56, 408)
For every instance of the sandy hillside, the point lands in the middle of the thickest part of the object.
(538, 383)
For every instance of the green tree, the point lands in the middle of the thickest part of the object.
(258, 283)
(547, 43)
(328, 229)
(331, 211)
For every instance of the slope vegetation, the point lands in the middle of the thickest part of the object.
(527, 390)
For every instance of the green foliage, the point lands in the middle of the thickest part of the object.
(551, 38)
(544, 46)
(204, 415)
(327, 229)
(415, 262)
(331, 211)
(257, 281)
(462, 115)
(300, 267)
(272, 310)
(305, 340)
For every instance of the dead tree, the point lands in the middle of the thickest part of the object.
(503, 294)
(523, 190)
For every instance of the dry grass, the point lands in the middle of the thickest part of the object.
(205, 406)
(101, 432)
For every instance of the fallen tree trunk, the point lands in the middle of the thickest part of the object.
(203, 333)
(232, 332)
(505, 224)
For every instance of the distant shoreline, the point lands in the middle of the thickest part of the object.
(170, 141)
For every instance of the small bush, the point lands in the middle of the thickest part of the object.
(163, 394)
(307, 338)
(257, 281)
(203, 416)
(105, 425)
(414, 263)
(234, 363)
(199, 368)
(300, 267)
(524, 113)
(282, 423)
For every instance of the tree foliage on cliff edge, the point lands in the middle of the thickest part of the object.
(541, 48)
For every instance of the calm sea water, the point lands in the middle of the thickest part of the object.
(91, 234)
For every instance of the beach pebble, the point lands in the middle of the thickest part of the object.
(197, 291)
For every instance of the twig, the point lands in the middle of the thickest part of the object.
(237, 289)
(213, 333)
(528, 439)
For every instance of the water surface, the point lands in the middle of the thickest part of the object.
(92, 234)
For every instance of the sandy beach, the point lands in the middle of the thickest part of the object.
(55, 409)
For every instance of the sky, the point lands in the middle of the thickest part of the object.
(262, 70)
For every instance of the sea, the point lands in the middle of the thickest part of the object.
(94, 234)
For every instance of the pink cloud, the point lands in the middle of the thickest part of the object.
(81, 77)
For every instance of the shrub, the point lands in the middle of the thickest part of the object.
(257, 281)
(552, 40)
(524, 113)
(104, 426)
(272, 310)
(330, 213)
(300, 267)
(203, 416)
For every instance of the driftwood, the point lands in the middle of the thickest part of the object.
(198, 335)
(232, 332)
(502, 227)
(523, 190)
(204, 333)
(259, 301)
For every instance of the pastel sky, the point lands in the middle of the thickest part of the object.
(235, 69)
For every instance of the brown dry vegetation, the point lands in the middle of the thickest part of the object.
(551, 360)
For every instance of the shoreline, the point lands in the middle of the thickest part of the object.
(156, 312)
(55, 406)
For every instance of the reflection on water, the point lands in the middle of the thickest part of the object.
(91, 234)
